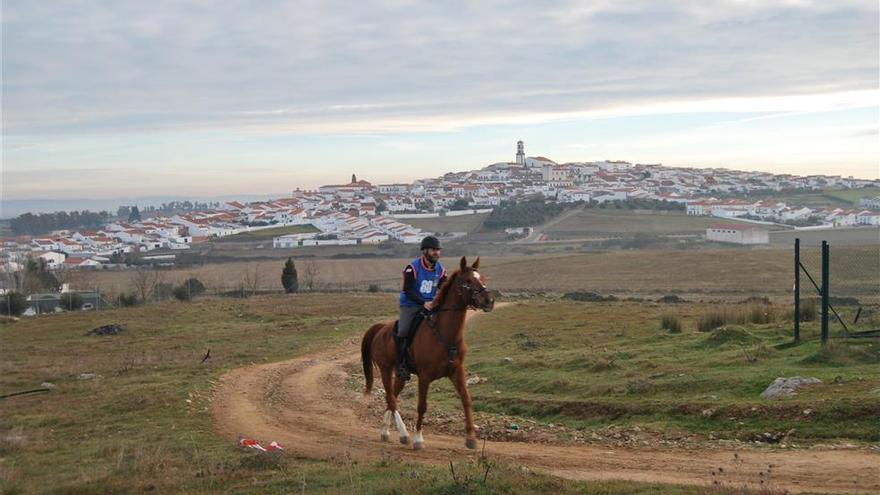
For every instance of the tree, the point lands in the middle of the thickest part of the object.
(189, 289)
(71, 301)
(135, 215)
(123, 211)
(310, 275)
(13, 304)
(289, 277)
(251, 279)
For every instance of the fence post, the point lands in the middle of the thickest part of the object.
(825, 283)
(797, 290)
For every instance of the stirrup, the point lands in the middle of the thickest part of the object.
(403, 373)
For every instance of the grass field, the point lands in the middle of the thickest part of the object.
(596, 222)
(269, 234)
(143, 423)
(853, 195)
(464, 223)
(702, 273)
(600, 366)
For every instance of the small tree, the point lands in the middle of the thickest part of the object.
(13, 304)
(189, 289)
(71, 301)
(310, 275)
(135, 215)
(289, 277)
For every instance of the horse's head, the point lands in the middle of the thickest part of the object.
(471, 286)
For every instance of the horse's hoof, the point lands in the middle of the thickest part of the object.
(471, 443)
(384, 437)
(404, 440)
(418, 445)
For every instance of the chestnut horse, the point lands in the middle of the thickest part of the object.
(438, 350)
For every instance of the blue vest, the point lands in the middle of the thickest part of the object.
(426, 282)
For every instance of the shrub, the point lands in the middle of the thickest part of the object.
(711, 320)
(670, 322)
(808, 309)
(71, 301)
(289, 277)
(13, 304)
(126, 300)
(373, 288)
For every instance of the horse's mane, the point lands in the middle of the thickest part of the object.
(443, 291)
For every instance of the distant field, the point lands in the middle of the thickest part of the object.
(464, 223)
(268, 234)
(837, 237)
(853, 195)
(593, 222)
(733, 272)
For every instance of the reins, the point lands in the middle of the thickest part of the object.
(451, 349)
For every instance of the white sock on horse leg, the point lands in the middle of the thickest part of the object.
(417, 439)
(386, 423)
(401, 428)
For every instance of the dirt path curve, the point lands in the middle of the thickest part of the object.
(303, 403)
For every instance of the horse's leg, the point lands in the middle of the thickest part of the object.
(398, 421)
(418, 441)
(458, 379)
(390, 405)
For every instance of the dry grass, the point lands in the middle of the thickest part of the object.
(717, 316)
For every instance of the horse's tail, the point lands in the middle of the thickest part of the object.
(366, 357)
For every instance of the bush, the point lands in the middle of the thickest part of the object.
(670, 322)
(71, 301)
(808, 309)
(189, 289)
(13, 304)
(757, 313)
(373, 288)
(127, 300)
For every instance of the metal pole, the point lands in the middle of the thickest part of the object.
(825, 283)
(797, 290)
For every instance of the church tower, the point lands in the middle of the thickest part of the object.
(520, 153)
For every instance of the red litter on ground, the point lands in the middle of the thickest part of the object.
(254, 444)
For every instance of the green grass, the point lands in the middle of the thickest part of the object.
(463, 223)
(144, 425)
(594, 365)
(269, 234)
(597, 222)
(852, 195)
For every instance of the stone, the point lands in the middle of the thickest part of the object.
(785, 387)
(47, 385)
(87, 376)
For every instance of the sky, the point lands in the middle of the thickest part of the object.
(200, 98)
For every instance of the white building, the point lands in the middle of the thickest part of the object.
(737, 234)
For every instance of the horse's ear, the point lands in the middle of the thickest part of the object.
(476, 264)
(463, 263)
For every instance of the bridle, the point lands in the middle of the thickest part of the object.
(452, 348)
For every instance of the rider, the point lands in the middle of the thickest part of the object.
(421, 278)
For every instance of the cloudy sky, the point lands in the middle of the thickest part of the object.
(132, 98)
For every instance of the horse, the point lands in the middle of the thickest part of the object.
(437, 350)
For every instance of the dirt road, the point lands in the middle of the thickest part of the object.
(304, 404)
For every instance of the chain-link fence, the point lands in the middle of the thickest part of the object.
(839, 286)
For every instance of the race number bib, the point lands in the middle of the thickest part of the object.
(426, 287)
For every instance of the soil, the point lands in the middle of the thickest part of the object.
(306, 405)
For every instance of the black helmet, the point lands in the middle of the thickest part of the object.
(431, 242)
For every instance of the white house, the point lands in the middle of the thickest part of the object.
(737, 234)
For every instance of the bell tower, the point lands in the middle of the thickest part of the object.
(520, 153)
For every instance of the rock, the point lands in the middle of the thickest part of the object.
(111, 329)
(784, 387)
(708, 413)
(807, 412)
(507, 360)
(87, 376)
(513, 426)
(476, 379)
(47, 385)
(671, 299)
(588, 297)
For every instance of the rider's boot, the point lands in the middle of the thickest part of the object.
(402, 369)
